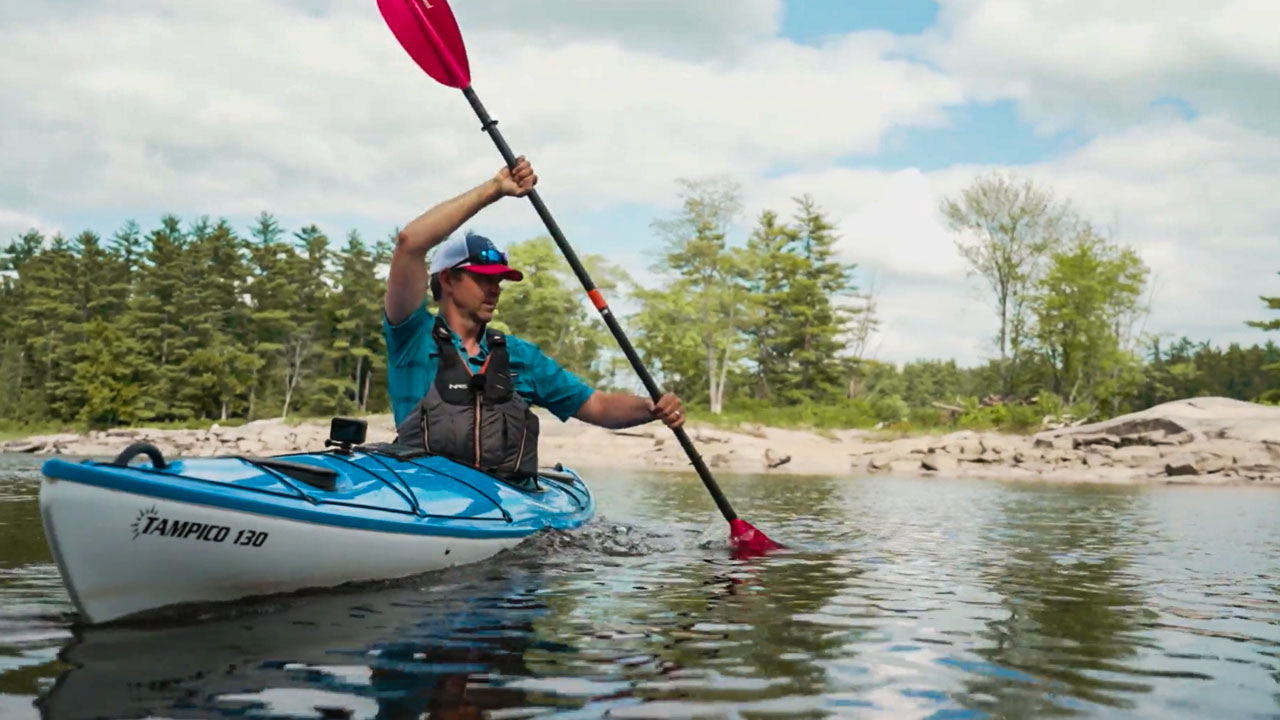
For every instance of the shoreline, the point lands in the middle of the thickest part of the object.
(1203, 441)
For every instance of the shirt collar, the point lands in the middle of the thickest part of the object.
(457, 341)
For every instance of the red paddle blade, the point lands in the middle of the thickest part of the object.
(430, 35)
(748, 541)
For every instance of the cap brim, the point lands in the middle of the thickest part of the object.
(507, 272)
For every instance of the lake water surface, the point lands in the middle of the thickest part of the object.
(904, 598)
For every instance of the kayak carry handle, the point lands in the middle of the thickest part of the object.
(559, 472)
(140, 448)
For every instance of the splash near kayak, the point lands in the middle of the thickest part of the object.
(129, 538)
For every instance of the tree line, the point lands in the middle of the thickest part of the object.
(190, 323)
(194, 322)
(1070, 303)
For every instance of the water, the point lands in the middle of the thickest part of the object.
(899, 598)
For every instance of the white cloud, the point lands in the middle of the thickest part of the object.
(1195, 199)
(902, 232)
(195, 109)
(671, 27)
(1103, 63)
(13, 224)
(1192, 198)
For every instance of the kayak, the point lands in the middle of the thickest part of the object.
(134, 537)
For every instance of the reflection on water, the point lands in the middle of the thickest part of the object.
(390, 653)
(898, 597)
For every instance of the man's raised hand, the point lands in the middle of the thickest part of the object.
(519, 181)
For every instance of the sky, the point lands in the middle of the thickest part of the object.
(1158, 121)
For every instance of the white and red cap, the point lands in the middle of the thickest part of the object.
(474, 253)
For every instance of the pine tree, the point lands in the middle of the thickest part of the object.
(16, 370)
(1272, 303)
(802, 319)
(218, 368)
(311, 325)
(47, 324)
(128, 248)
(821, 322)
(357, 331)
(99, 302)
(771, 267)
(109, 376)
(154, 320)
(272, 296)
(127, 251)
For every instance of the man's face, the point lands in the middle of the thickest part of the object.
(475, 294)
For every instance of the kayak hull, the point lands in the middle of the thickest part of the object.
(110, 575)
(131, 540)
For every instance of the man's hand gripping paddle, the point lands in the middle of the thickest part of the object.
(429, 33)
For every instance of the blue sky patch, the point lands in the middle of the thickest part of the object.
(975, 134)
(809, 21)
(1183, 108)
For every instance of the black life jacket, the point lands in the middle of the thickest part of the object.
(475, 419)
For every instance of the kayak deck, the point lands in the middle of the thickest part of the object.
(361, 489)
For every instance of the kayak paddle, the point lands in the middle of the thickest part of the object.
(429, 33)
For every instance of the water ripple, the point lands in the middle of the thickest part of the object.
(896, 598)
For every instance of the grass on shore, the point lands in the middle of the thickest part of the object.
(887, 419)
(13, 430)
(10, 430)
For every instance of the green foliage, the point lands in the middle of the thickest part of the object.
(185, 325)
(356, 348)
(1272, 394)
(798, 326)
(1015, 417)
(549, 308)
(189, 324)
(821, 416)
(892, 413)
(1006, 229)
(934, 380)
(691, 328)
(1083, 307)
(1272, 303)
(105, 386)
(669, 345)
(771, 320)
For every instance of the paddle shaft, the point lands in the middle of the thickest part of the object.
(490, 126)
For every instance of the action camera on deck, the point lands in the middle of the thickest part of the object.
(344, 433)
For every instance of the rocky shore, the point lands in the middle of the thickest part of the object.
(1199, 440)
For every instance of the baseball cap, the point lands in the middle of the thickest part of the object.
(476, 253)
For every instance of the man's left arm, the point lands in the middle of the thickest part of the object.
(623, 410)
(561, 392)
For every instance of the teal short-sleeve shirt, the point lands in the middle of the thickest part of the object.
(412, 358)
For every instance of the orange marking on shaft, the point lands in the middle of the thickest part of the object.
(597, 299)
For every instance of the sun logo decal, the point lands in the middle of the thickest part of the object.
(138, 522)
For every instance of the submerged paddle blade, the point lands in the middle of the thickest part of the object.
(748, 541)
(427, 31)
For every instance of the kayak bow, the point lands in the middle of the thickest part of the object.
(133, 538)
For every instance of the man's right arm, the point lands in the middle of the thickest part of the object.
(407, 278)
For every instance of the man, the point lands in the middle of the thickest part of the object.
(459, 388)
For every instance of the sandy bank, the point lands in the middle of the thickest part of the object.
(1199, 440)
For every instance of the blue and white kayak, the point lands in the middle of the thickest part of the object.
(132, 537)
